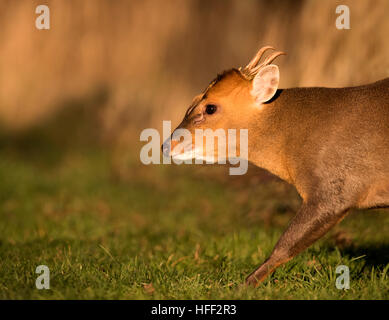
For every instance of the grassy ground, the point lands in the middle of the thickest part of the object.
(166, 232)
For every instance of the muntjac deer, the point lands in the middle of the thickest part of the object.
(332, 144)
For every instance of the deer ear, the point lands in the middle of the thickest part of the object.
(265, 83)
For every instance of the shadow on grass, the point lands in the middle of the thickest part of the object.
(376, 255)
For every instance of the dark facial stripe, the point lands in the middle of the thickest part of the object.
(194, 105)
(218, 78)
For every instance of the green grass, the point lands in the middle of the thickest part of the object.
(167, 232)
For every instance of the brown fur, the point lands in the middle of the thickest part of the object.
(332, 144)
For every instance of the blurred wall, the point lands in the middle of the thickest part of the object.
(151, 57)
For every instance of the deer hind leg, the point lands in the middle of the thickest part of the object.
(311, 223)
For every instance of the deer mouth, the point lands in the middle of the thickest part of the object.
(182, 151)
(178, 150)
(186, 150)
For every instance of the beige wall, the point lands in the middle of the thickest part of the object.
(153, 56)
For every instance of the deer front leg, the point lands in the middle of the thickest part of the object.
(311, 223)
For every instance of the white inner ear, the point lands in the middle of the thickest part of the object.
(265, 83)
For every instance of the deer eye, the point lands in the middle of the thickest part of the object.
(210, 108)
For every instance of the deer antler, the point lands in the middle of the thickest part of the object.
(253, 67)
(257, 57)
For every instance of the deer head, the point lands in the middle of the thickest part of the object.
(231, 101)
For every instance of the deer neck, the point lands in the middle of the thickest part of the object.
(267, 132)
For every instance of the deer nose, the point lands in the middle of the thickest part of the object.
(166, 148)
